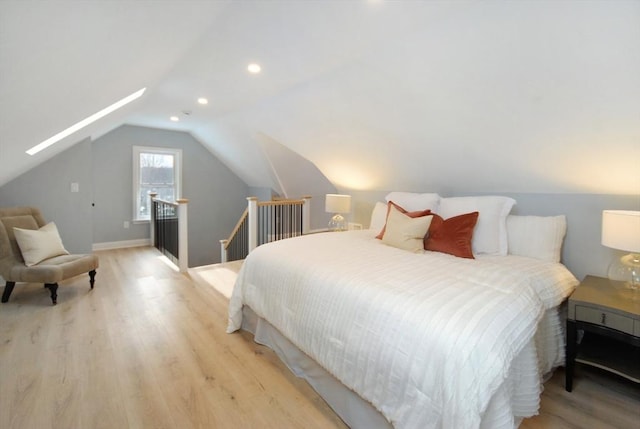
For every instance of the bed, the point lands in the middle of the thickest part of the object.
(403, 339)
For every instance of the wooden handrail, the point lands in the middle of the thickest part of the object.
(281, 203)
(171, 203)
(237, 227)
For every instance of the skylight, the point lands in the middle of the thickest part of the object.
(83, 123)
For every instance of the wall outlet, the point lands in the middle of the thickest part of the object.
(126, 224)
(75, 187)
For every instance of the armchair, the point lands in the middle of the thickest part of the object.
(49, 271)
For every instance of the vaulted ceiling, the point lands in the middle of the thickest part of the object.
(412, 95)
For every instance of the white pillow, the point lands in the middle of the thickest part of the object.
(36, 245)
(490, 234)
(413, 202)
(405, 232)
(378, 216)
(537, 237)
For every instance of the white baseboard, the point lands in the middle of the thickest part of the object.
(121, 244)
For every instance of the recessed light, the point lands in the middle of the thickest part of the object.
(86, 121)
(174, 118)
(203, 100)
(254, 68)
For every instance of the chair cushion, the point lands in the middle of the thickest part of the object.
(55, 269)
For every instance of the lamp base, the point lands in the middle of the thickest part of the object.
(626, 269)
(338, 223)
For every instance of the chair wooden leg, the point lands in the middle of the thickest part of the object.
(53, 287)
(8, 288)
(92, 277)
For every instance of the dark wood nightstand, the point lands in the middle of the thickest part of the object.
(603, 328)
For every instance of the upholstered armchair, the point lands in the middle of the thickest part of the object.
(51, 270)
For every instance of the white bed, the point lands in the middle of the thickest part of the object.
(430, 340)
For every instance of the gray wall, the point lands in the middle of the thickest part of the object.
(262, 193)
(582, 252)
(103, 170)
(48, 187)
(319, 218)
(216, 195)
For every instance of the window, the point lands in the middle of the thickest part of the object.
(155, 170)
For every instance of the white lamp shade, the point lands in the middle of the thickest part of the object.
(336, 203)
(621, 230)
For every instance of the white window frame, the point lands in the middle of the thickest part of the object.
(177, 172)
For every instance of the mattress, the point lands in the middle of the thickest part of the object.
(429, 340)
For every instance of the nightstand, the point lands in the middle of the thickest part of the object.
(603, 328)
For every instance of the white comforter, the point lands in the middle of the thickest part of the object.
(429, 339)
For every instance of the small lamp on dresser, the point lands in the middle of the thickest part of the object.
(337, 204)
(621, 231)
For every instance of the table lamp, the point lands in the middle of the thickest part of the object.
(337, 204)
(621, 230)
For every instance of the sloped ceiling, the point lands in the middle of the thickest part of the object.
(493, 96)
(295, 176)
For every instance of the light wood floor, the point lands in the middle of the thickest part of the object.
(147, 348)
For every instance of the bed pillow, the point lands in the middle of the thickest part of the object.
(36, 245)
(405, 232)
(453, 235)
(538, 237)
(414, 202)
(390, 204)
(490, 234)
(378, 216)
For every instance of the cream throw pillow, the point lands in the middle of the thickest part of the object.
(36, 245)
(405, 232)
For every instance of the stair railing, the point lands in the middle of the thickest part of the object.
(266, 221)
(169, 232)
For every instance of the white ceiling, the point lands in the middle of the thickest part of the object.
(493, 96)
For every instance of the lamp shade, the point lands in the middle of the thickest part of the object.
(337, 203)
(621, 230)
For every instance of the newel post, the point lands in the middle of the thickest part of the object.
(223, 250)
(152, 218)
(306, 214)
(252, 213)
(183, 235)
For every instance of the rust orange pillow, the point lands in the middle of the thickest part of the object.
(453, 235)
(415, 214)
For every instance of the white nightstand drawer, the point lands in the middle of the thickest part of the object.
(604, 318)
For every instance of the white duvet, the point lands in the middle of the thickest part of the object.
(430, 340)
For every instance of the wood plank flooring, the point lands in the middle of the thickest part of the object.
(147, 348)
